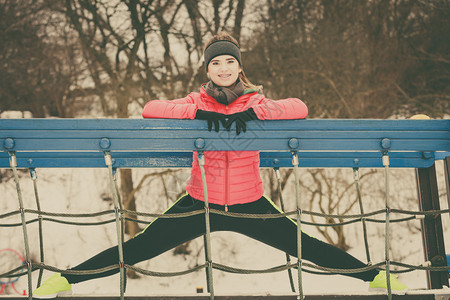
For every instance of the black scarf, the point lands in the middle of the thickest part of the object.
(225, 95)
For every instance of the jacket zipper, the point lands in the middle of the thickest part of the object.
(226, 180)
(227, 173)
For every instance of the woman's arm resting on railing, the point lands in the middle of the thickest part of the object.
(290, 108)
(183, 108)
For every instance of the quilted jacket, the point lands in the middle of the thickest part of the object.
(232, 177)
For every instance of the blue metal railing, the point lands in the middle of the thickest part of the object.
(52, 143)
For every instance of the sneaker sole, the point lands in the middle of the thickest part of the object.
(394, 292)
(52, 296)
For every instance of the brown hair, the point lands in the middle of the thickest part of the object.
(225, 36)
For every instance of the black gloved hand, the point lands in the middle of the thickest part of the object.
(212, 118)
(240, 118)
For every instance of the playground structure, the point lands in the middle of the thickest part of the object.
(126, 143)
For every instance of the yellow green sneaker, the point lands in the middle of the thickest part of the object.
(54, 286)
(379, 283)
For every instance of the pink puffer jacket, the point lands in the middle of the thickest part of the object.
(232, 177)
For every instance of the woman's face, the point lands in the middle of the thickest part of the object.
(224, 70)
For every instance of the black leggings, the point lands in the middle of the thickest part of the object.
(166, 233)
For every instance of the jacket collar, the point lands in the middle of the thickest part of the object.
(247, 94)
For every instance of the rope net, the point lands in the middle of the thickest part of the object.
(118, 217)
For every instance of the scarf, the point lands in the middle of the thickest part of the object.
(225, 95)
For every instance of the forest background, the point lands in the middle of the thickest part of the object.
(344, 59)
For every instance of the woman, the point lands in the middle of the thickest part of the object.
(233, 180)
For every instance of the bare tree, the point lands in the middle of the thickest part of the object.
(355, 59)
(37, 69)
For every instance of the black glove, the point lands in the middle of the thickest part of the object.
(240, 118)
(212, 118)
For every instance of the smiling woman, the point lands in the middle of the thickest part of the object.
(227, 181)
(224, 44)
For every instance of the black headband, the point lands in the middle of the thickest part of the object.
(221, 48)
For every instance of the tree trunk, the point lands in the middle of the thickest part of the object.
(126, 187)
